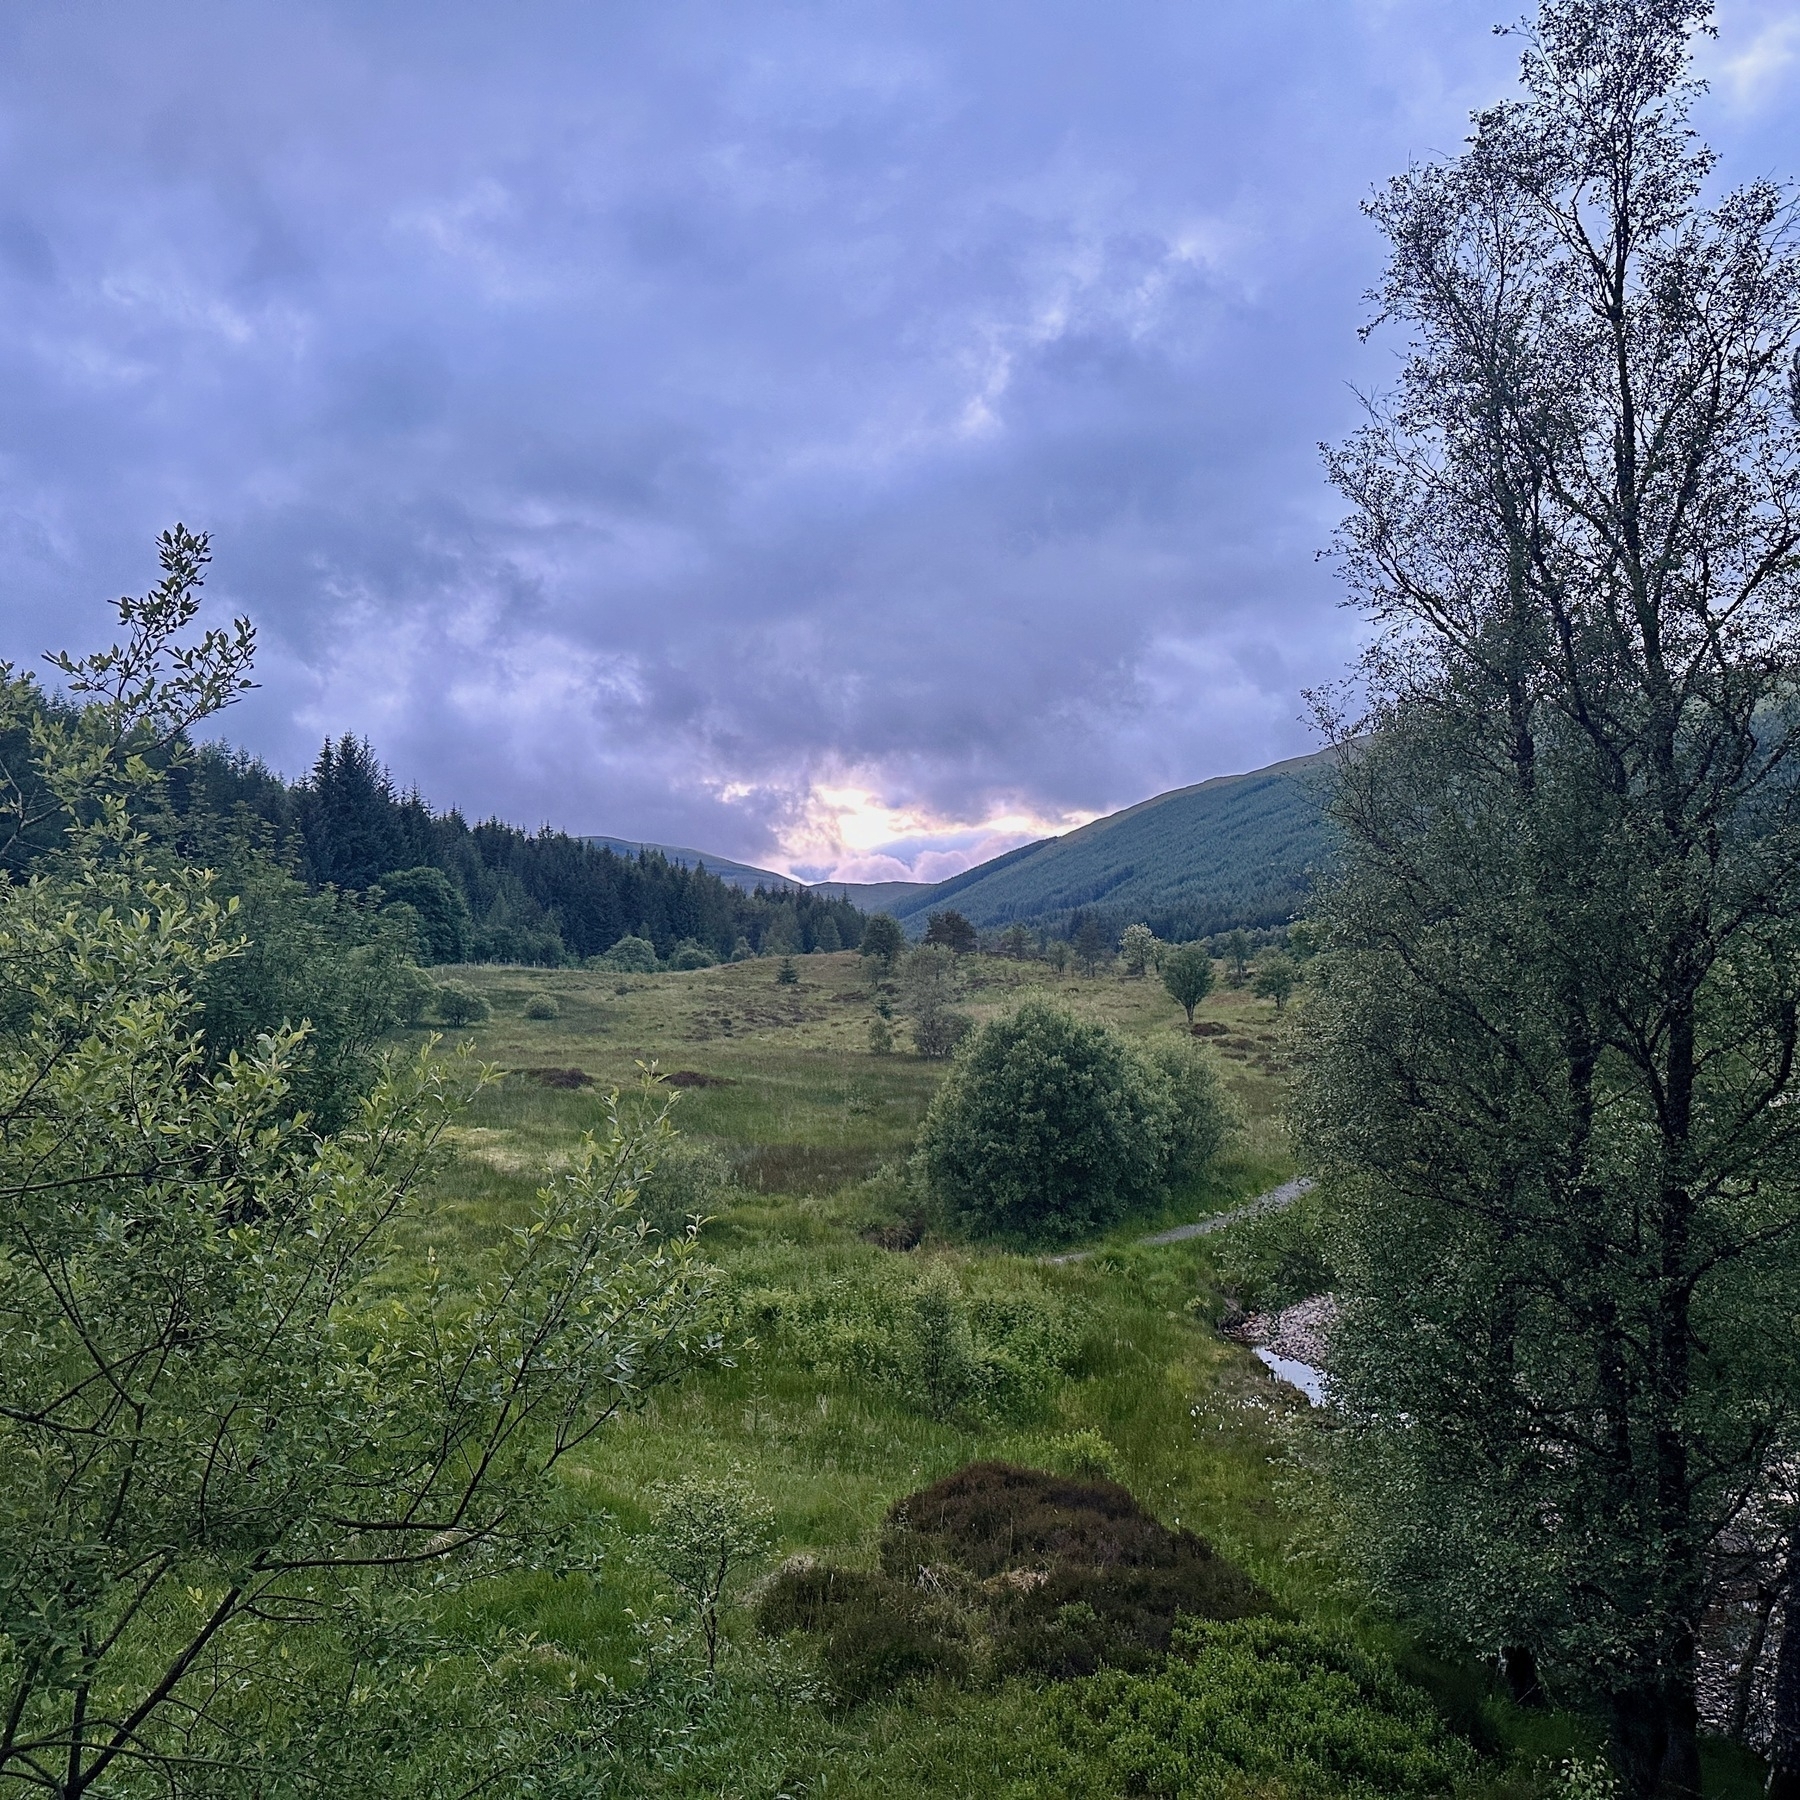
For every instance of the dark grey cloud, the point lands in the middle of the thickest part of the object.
(660, 419)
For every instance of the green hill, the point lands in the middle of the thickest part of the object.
(1236, 850)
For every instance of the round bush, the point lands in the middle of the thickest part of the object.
(459, 1006)
(691, 955)
(542, 1006)
(631, 956)
(1047, 1126)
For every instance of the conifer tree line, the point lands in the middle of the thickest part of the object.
(500, 893)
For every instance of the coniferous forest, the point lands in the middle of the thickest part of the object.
(500, 894)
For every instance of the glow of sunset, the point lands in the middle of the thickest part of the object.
(846, 832)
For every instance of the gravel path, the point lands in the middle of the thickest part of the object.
(1273, 1201)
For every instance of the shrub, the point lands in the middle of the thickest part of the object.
(930, 980)
(445, 928)
(1047, 1126)
(689, 1181)
(1202, 1111)
(1077, 1575)
(878, 1632)
(703, 1532)
(1256, 1706)
(881, 1038)
(631, 956)
(1277, 1258)
(690, 954)
(542, 1006)
(1002, 1570)
(1084, 1452)
(786, 975)
(458, 1006)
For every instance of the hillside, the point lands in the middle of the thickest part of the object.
(1232, 851)
(738, 875)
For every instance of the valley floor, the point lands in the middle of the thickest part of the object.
(779, 1081)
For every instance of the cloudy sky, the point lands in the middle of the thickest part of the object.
(853, 437)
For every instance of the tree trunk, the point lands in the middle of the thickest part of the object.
(1784, 1747)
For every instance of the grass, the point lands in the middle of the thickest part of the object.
(781, 1082)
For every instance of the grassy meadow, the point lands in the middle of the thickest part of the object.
(780, 1083)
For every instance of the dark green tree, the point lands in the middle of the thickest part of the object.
(1091, 943)
(1187, 972)
(883, 942)
(443, 913)
(1550, 1059)
(953, 931)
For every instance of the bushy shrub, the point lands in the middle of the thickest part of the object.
(998, 1570)
(631, 956)
(877, 1632)
(690, 954)
(1256, 1706)
(1277, 1258)
(457, 1006)
(1078, 1576)
(1047, 1126)
(1202, 1112)
(542, 1006)
(689, 1181)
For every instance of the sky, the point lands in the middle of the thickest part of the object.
(854, 438)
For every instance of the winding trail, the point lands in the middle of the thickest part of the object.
(1276, 1199)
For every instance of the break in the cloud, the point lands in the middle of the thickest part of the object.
(855, 437)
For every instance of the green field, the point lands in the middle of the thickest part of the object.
(815, 1130)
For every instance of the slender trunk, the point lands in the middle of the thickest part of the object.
(1744, 1688)
(1784, 1746)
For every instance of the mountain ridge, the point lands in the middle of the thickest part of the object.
(1233, 850)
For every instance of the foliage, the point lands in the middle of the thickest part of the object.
(1550, 1066)
(951, 930)
(448, 931)
(1074, 1574)
(878, 1633)
(237, 1471)
(314, 961)
(1015, 942)
(881, 1037)
(949, 1349)
(1047, 1126)
(1257, 1707)
(1138, 948)
(930, 983)
(631, 955)
(883, 941)
(690, 1181)
(1278, 1258)
(542, 1006)
(1187, 973)
(786, 975)
(691, 955)
(1276, 978)
(704, 1532)
(1201, 1115)
(1000, 1570)
(458, 1006)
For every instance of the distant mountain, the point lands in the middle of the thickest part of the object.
(1236, 850)
(740, 875)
